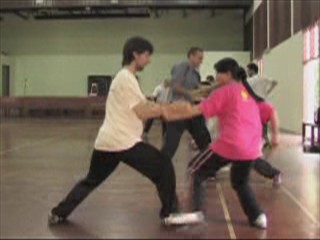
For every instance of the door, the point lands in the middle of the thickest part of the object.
(5, 80)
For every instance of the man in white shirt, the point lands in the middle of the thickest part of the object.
(160, 95)
(261, 87)
(119, 140)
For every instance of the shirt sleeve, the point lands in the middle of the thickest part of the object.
(266, 110)
(157, 91)
(251, 81)
(132, 93)
(213, 105)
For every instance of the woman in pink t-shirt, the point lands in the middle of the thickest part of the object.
(238, 143)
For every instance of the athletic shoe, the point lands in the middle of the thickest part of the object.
(261, 221)
(183, 218)
(54, 219)
(212, 179)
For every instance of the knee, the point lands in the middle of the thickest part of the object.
(91, 182)
(198, 179)
(238, 185)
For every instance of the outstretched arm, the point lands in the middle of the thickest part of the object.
(273, 84)
(147, 109)
(179, 111)
(274, 128)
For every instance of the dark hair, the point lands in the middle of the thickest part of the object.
(210, 78)
(135, 44)
(253, 67)
(194, 50)
(227, 65)
(242, 76)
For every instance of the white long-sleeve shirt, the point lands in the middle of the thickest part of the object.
(260, 86)
(161, 93)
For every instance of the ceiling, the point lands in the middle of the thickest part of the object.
(72, 9)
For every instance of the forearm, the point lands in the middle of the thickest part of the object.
(148, 109)
(204, 91)
(274, 129)
(178, 88)
(274, 122)
(272, 86)
(180, 111)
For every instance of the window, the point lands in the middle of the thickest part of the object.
(311, 69)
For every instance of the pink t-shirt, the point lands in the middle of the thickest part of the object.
(266, 111)
(239, 122)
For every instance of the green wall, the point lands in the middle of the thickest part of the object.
(66, 75)
(57, 56)
(285, 64)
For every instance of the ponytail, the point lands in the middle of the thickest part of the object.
(242, 77)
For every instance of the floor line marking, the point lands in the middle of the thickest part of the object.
(303, 208)
(226, 212)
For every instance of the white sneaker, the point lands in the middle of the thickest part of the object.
(261, 221)
(183, 218)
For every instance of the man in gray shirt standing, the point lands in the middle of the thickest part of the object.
(185, 79)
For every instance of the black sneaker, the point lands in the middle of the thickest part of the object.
(54, 219)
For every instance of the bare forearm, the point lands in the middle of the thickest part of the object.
(273, 85)
(179, 111)
(148, 109)
(204, 91)
(274, 123)
(275, 129)
(181, 90)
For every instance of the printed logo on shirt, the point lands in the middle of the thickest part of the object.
(244, 95)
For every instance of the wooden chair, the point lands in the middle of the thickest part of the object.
(311, 144)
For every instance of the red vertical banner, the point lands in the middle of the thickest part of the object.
(311, 67)
(311, 43)
(317, 40)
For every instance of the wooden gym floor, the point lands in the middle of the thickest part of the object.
(40, 160)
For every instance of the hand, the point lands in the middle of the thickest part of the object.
(196, 99)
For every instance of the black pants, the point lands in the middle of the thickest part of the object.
(206, 164)
(148, 125)
(265, 169)
(144, 158)
(196, 127)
